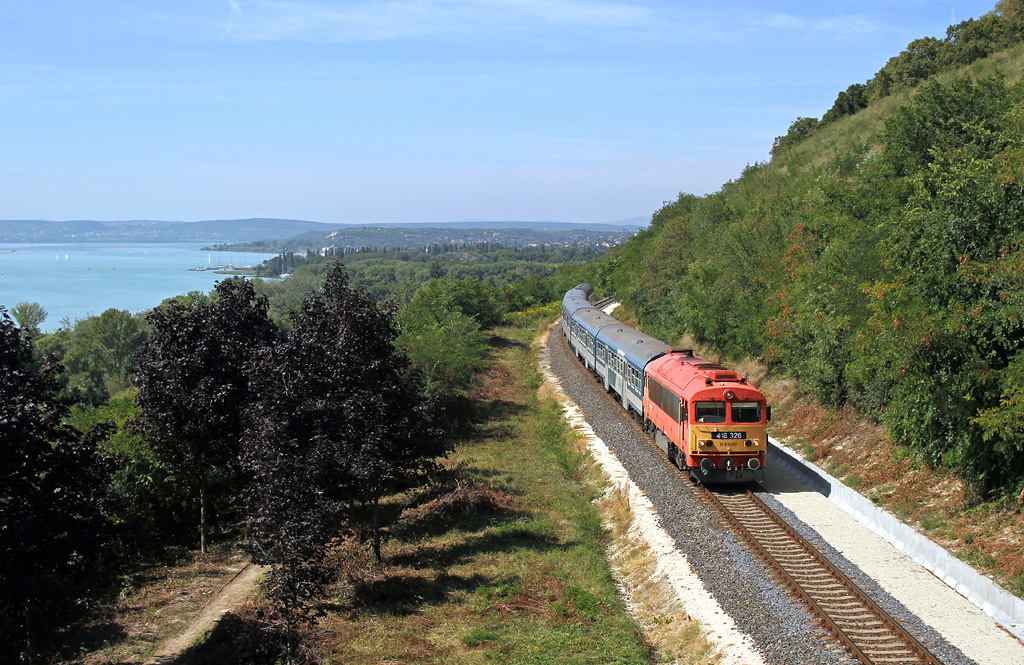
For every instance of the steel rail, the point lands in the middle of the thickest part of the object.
(859, 647)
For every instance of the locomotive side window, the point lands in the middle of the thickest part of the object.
(709, 412)
(666, 400)
(746, 412)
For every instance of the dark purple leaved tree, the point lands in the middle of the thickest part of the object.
(193, 381)
(54, 507)
(337, 427)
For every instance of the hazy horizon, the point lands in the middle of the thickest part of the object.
(417, 109)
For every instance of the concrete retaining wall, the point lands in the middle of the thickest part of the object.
(1006, 609)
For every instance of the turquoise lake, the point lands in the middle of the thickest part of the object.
(80, 280)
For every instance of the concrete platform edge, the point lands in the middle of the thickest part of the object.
(1004, 608)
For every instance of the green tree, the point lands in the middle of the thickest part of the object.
(799, 130)
(119, 335)
(470, 296)
(853, 99)
(30, 316)
(444, 343)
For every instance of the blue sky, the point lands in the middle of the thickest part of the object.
(415, 110)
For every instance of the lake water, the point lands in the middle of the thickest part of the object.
(80, 280)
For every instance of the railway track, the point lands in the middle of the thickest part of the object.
(870, 635)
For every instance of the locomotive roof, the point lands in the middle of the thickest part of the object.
(688, 373)
(637, 347)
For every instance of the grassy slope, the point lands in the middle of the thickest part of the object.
(529, 584)
(862, 127)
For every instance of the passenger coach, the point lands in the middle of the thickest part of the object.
(622, 354)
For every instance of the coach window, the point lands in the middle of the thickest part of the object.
(709, 412)
(746, 412)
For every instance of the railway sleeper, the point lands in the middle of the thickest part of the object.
(854, 615)
(786, 550)
(783, 544)
(814, 573)
(868, 633)
(831, 593)
(890, 650)
(806, 569)
(781, 541)
(809, 568)
(834, 605)
(900, 656)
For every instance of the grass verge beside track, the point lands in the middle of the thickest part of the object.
(513, 568)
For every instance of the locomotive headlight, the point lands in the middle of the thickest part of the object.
(749, 443)
(705, 443)
(729, 394)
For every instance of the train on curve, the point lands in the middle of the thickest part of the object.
(707, 419)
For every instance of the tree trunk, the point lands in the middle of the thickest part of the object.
(30, 635)
(202, 518)
(376, 532)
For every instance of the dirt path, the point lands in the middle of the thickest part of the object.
(233, 594)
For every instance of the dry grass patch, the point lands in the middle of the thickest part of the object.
(156, 604)
(674, 635)
(504, 560)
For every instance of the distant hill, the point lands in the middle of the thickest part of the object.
(631, 224)
(398, 236)
(217, 231)
(228, 231)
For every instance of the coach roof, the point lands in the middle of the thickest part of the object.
(637, 347)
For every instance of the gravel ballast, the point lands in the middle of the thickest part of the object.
(765, 612)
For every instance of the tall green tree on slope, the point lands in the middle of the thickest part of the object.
(946, 335)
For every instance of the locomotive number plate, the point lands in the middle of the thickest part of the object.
(728, 435)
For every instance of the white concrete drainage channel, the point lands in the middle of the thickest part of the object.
(1003, 607)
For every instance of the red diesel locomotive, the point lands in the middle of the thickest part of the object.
(707, 419)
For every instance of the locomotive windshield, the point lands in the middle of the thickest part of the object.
(709, 412)
(746, 412)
